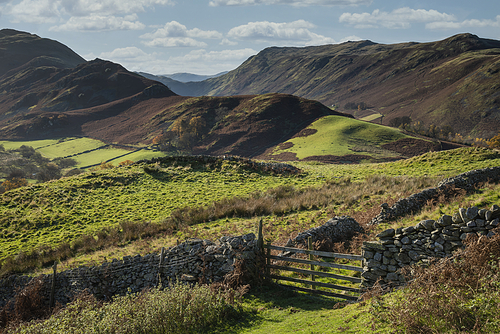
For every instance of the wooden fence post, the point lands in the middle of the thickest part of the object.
(268, 261)
(162, 254)
(260, 237)
(53, 287)
(311, 257)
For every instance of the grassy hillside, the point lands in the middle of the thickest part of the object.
(340, 136)
(103, 198)
(60, 211)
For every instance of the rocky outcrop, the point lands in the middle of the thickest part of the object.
(398, 248)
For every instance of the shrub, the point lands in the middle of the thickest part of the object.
(178, 309)
(14, 183)
(460, 294)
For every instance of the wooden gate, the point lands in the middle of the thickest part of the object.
(346, 292)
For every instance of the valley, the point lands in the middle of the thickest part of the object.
(102, 165)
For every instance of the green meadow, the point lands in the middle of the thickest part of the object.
(87, 152)
(62, 210)
(337, 135)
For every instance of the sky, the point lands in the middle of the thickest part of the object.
(210, 36)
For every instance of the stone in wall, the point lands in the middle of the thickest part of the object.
(428, 239)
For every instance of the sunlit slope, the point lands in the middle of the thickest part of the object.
(341, 136)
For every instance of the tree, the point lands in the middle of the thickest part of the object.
(14, 183)
(196, 126)
(50, 171)
(494, 142)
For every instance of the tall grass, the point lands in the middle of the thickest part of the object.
(287, 199)
(179, 309)
(277, 201)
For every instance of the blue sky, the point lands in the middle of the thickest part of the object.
(211, 36)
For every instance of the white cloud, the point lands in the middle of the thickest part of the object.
(473, 23)
(351, 38)
(34, 11)
(110, 7)
(226, 41)
(169, 42)
(400, 18)
(95, 22)
(296, 33)
(215, 3)
(174, 34)
(196, 61)
(50, 11)
(130, 53)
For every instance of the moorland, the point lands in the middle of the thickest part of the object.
(77, 139)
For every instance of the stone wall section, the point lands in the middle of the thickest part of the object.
(336, 229)
(415, 202)
(398, 248)
(191, 261)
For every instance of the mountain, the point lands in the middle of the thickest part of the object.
(188, 77)
(453, 82)
(20, 48)
(55, 94)
(179, 88)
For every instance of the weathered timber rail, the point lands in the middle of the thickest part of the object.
(314, 273)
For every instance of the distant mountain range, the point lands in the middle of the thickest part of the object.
(265, 107)
(454, 82)
(189, 77)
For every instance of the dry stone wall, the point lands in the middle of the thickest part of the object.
(336, 229)
(190, 261)
(398, 248)
(415, 202)
(258, 166)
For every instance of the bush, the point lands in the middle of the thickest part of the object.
(178, 309)
(14, 183)
(460, 294)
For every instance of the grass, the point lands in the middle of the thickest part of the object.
(281, 311)
(340, 136)
(64, 210)
(454, 295)
(87, 152)
(12, 145)
(142, 154)
(177, 309)
(70, 146)
(96, 157)
(59, 212)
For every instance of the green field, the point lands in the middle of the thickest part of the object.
(86, 151)
(61, 210)
(339, 136)
(36, 144)
(68, 147)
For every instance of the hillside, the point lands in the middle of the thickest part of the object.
(52, 96)
(453, 82)
(19, 48)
